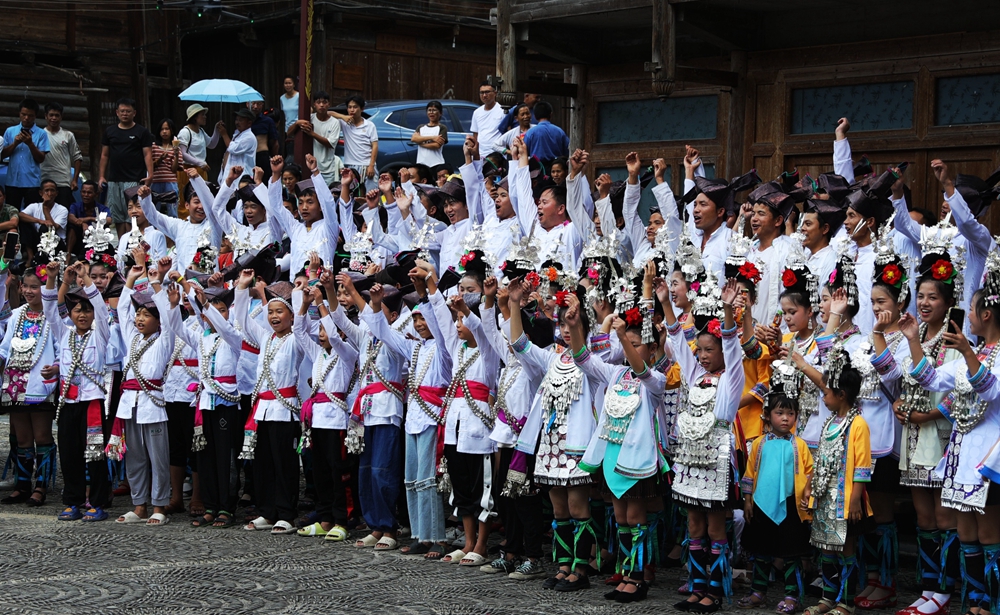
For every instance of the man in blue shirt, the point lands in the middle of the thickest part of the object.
(26, 145)
(510, 119)
(546, 141)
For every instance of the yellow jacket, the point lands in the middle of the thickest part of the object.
(803, 471)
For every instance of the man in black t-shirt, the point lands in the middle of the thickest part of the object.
(128, 147)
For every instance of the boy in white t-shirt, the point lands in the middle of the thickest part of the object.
(486, 119)
(360, 141)
(324, 129)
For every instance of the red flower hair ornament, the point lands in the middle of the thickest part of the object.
(749, 271)
(714, 327)
(633, 317)
(788, 278)
(942, 270)
(891, 275)
(562, 298)
(533, 279)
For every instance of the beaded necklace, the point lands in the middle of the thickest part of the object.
(77, 344)
(29, 330)
(414, 380)
(861, 360)
(459, 379)
(319, 382)
(507, 379)
(620, 404)
(177, 357)
(830, 455)
(270, 351)
(206, 364)
(914, 397)
(137, 349)
(561, 386)
(370, 366)
(967, 408)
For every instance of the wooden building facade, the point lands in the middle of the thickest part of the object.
(86, 55)
(761, 84)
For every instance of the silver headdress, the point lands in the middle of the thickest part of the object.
(795, 263)
(708, 301)
(98, 236)
(360, 246)
(524, 250)
(991, 277)
(939, 240)
(845, 266)
(688, 257)
(207, 255)
(836, 361)
(49, 246)
(479, 240)
(885, 256)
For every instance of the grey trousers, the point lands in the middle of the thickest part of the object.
(147, 462)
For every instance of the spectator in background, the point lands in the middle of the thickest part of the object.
(523, 115)
(486, 119)
(81, 215)
(360, 141)
(38, 218)
(546, 141)
(421, 174)
(441, 173)
(510, 119)
(431, 137)
(558, 169)
(9, 218)
(165, 166)
(324, 129)
(194, 142)
(126, 160)
(62, 163)
(25, 144)
(290, 111)
(241, 147)
(266, 133)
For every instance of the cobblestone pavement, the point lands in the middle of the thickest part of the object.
(49, 566)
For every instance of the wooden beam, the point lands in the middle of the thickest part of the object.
(551, 88)
(704, 35)
(664, 54)
(578, 108)
(535, 10)
(708, 76)
(566, 50)
(506, 70)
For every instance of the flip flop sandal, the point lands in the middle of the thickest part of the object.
(367, 542)
(258, 524)
(205, 520)
(386, 544)
(416, 548)
(95, 514)
(436, 551)
(788, 606)
(283, 527)
(159, 518)
(337, 534)
(473, 559)
(131, 517)
(316, 529)
(453, 558)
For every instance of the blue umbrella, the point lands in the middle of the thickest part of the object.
(220, 90)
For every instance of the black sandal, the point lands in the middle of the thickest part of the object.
(20, 498)
(34, 502)
(204, 520)
(416, 548)
(435, 548)
(223, 520)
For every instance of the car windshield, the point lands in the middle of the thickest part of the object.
(463, 116)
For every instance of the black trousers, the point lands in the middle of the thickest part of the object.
(466, 473)
(216, 468)
(330, 466)
(276, 470)
(180, 429)
(22, 197)
(522, 516)
(72, 431)
(65, 198)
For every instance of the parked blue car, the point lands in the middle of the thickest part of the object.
(396, 120)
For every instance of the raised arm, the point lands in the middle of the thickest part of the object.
(165, 224)
(842, 163)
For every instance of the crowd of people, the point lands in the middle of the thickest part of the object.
(511, 343)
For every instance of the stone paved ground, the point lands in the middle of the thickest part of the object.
(48, 566)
